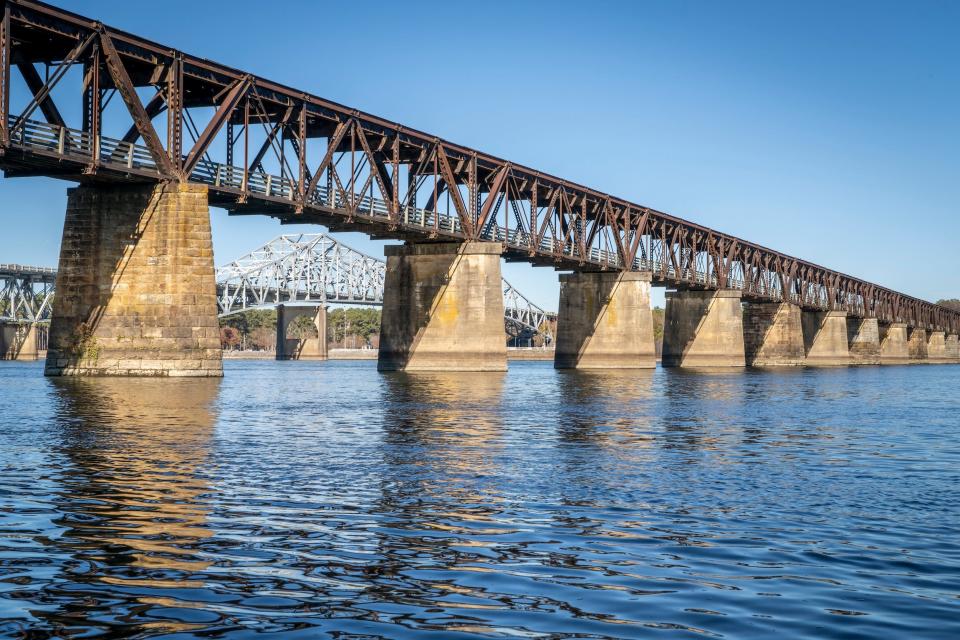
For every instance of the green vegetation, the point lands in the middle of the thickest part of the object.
(257, 330)
(951, 303)
(354, 327)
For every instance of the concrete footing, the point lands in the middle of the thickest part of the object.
(443, 308)
(893, 344)
(952, 348)
(937, 347)
(825, 338)
(136, 294)
(703, 329)
(772, 335)
(863, 340)
(301, 348)
(917, 345)
(605, 322)
(18, 342)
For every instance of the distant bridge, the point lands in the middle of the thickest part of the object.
(290, 269)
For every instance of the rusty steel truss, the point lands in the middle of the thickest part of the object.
(145, 112)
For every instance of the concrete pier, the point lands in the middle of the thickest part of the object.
(703, 329)
(937, 347)
(772, 334)
(825, 338)
(917, 345)
(136, 294)
(893, 344)
(443, 308)
(18, 342)
(863, 340)
(301, 348)
(605, 322)
(952, 348)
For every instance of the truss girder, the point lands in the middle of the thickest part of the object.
(268, 148)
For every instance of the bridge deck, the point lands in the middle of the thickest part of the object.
(265, 148)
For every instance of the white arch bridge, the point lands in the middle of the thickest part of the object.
(290, 269)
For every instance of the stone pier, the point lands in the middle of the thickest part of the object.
(18, 342)
(703, 329)
(893, 344)
(772, 334)
(301, 348)
(952, 348)
(136, 294)
(443, 308)
(825, 338)
(605, 321)
(937, 347)
(863, 340)
(917, 345)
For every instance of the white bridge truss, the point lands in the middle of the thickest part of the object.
(290, 269)
(316, 268)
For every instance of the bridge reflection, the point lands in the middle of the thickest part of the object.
(134, 500)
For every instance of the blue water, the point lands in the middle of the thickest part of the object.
(327, 500)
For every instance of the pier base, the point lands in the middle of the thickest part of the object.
(937, 347)
(825, 338)
(136, 294)
(605, 322)
(301, 348)
(443, 308)
(18, 342)
(772, 334)
(952, 348)
(917, 345)
(893, 344)
(863, 340)
(703, 329)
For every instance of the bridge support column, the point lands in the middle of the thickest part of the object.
(863, 340)
(703, 329)
(952, 348)
(917, 345)
(937, 347)
(443, 308)
(825, 338)
(605, 322)
(893, 344)
(772, 334)
(136, 294)
(296, 348)
(18, 342)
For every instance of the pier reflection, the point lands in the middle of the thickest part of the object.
(133, 497)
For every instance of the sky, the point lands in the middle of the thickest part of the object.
(826, 130)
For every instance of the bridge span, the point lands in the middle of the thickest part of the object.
(163, 134)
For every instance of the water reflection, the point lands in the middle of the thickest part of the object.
(133, 498)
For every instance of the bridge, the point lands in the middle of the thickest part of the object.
(162, 134)
(308, 271)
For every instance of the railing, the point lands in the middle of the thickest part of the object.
(68, 142)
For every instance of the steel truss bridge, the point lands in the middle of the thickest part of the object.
(290, 269)
(151, 113)
(315, 267)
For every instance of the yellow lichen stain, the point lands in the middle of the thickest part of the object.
(448, 310)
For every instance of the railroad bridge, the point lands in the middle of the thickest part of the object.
(160, 135)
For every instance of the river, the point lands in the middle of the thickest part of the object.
(328, 500)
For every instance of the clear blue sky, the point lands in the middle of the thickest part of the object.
(828, 130)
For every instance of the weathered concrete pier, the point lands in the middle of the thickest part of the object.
(605, 321)
(135, 288)
(443, 308)
(301, 348)
(703, 329)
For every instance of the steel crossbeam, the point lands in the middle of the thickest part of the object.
(264, 148)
